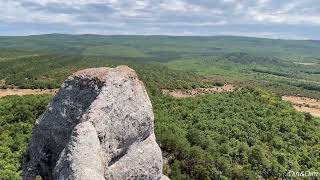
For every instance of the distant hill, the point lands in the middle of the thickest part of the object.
(161, 47)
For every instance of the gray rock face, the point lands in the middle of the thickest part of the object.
(99, 126)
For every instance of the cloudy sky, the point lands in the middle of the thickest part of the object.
(286, 19)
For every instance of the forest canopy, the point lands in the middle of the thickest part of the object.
(17, 119)
(244, 134)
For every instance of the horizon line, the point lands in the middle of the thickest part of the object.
(166, 35)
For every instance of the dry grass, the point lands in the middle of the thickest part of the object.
(23, 92)
(304, 104)
(177, 93)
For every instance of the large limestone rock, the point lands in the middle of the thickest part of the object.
(99, 126)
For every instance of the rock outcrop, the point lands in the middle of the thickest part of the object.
(99, 126)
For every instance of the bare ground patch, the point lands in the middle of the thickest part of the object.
(304, 104)
(305, 63)
(178, 93)
(23, 92)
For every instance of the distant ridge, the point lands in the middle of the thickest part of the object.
(160, 35)
(159, 46)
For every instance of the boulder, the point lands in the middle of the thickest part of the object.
(98, 126)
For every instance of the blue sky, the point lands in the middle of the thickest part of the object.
(285, 19)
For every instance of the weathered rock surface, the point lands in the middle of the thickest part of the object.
(99, 126)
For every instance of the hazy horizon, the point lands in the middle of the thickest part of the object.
(165, 35)
(261, 18)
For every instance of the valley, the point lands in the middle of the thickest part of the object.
(225, 107)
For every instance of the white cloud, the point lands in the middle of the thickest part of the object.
(171, 16)
(285, 18)
(260, 11)
(285, 13)
(70, 2)
(179, 6)
(12, 11)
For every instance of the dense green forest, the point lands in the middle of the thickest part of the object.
(246, 134)
(17, 118)
(239, 135)
(277, 75)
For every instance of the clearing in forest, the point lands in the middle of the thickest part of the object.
(22, 92)
(304, 104)
(178, 93)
